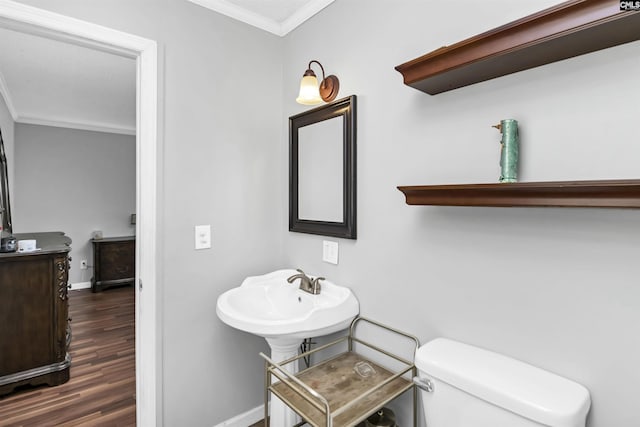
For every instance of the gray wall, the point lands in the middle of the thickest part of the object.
(8, 128)
(220, 110)
(74, 181)
(557, 288)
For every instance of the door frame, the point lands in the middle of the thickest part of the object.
(44, 23)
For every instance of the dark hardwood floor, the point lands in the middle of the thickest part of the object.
(101, 391)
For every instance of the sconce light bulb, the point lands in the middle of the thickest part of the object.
(309, 91)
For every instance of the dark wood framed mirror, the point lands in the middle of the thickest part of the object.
(322, 170)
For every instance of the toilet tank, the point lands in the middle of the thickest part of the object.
(473, 387)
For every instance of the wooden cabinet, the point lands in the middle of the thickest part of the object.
(114, 262)
(35, 332)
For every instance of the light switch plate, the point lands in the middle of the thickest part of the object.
(203, 237)
(330, 251)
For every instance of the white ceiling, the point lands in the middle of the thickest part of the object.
(50, 82)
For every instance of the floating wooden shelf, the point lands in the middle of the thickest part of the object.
(569, 29)
(589, 194)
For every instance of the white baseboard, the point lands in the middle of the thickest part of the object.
(80, 285)
(243, 420)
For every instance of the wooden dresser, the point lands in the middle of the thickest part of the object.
(114, 262)
(35, 330)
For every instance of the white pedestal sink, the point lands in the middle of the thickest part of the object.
(270, 307)
(283, 349)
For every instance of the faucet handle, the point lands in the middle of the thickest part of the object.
(315, 285)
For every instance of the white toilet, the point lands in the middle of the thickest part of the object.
(472, 387)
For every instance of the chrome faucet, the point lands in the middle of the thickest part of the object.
(306, 283)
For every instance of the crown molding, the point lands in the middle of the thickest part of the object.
(302, 14)
(270, 25)
(80, 125)
(43, 121)
(6, 95)
(240, 14)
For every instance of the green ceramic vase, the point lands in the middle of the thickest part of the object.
(509, 150)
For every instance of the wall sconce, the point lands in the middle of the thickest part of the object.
(311, 94)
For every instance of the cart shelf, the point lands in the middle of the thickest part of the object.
(332, 393)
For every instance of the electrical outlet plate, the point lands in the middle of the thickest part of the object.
(330, 251)
(83, 264)
(203, 236)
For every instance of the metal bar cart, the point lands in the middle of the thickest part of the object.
(344, 390)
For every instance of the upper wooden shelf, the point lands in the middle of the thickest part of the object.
(569, 29)
(589, 194)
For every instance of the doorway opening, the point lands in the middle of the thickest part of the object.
(40, 22)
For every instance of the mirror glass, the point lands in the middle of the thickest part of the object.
(322, 170)
(5, 207)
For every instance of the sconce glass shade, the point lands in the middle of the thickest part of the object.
(309, 91)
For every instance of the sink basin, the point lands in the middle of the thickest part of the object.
(270, 307)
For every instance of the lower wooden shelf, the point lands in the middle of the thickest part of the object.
(586, 194)
(322, 378)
